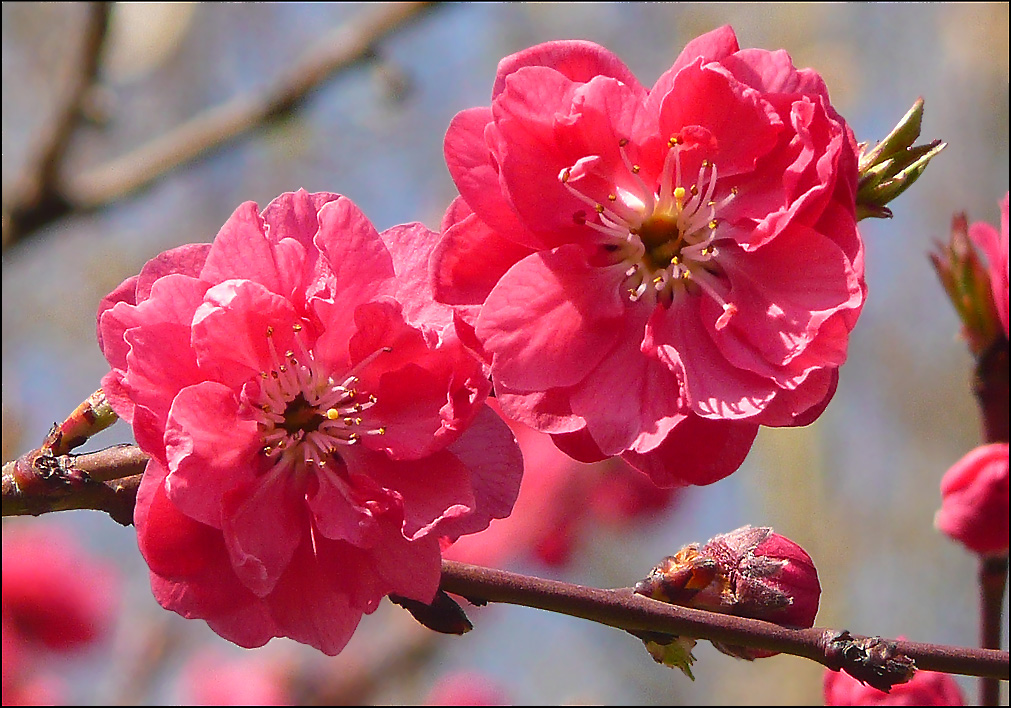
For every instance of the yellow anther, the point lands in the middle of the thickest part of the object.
(612, 197)
(296, 327)
(635, 169)
(714, 223)
(333, 414)
(599, 208)
(623, 142)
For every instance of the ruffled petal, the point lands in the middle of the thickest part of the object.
(551, 319)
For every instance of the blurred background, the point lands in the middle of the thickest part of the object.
(857, 489)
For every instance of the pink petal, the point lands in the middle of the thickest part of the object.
(433, 489)
(546, 125)
(697, 451)
(360, 267)
(211, 450)
(578, 60)
(230, 330)
(774, 72)
(488, 450)
(470, 259)
(345, 509)
(649, 398)
(241, 250)
(475, 172)
(548, 411)
(783, 291)
(715, 45)
(188, 260)
(263, 522)
(311, 602)
(745, 127)
(551, 319)
(411, 247)
(713, 386)
(579, 445)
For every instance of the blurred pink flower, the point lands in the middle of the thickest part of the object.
(56, 596)
(926, 688)
(995, 247)
(467, 688)
(655, 272)
(211, 679)
(559, 498)
(974, 500)
(314, 424)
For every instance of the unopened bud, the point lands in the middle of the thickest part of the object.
(967, 282)
(751, 572)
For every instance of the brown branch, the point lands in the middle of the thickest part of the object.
(625, 609)
(40, 482)
(107, 481)
(39, 197)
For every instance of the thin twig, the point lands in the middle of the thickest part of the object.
(349, 45)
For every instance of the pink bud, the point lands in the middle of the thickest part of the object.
(974, 500)
(926, 688)
(750, 572)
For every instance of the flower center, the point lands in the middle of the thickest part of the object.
(666, 234)
(303, 413)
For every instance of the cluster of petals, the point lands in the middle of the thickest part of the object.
(655, 272)
(995, 246)
(57, 599)
(974, 500)
(560, 500)
(315, 426)
(926, 688)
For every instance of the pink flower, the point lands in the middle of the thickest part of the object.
(926, 688)
(559, 498)
(467, 688)
(974, 500)
(749, 572)
(210, 679)
(995, 246)
(655, 272)
(314, 424)
(56, 597)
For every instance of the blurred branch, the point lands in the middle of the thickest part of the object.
(349, 45)
(41, 482)
(39, 197)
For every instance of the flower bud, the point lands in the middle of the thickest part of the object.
(892, 166)
(968, 283)
(974, 506)
(751, 572)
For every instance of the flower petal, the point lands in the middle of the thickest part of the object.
(551, 319)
